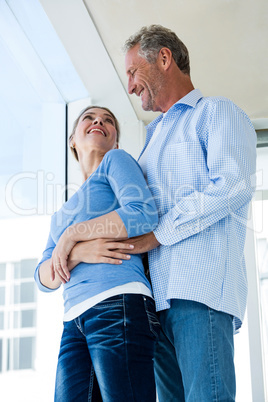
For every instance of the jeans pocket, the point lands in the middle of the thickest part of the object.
(153, 321)
(113, 301)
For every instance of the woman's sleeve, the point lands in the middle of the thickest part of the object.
(46, 256)
(137, 207)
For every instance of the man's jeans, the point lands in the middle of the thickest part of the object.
(194, 354)
(114, 341)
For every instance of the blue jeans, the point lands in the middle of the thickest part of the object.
(194, 354)
(106, 354)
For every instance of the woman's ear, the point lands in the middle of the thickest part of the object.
(116, 146)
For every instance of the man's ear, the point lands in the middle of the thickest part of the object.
(165, 57)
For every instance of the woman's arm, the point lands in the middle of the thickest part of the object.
(91, 252)
(42, 274)
(136, 214)
(108, 226)
(45, 276)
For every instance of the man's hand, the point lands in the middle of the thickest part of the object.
(108, 251)
(142, 243)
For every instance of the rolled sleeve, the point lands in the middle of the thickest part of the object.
(231, 160)
(46, 256)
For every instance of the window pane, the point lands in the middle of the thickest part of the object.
(12, 354)
(264, 304)
(25, 268)
(25, 293)
(1, 354)
(28, 318)
(2, 272)
(2, 295)
(26, 353)
(24, 319)
(17, 270)
(1, 320)
(262, 252)
(21, 353)
(16, 319)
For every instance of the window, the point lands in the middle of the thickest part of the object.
(37, 81)
(17, 315)
(260, 215)
(261, 241)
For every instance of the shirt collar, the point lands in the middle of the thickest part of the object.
(191, 98)
(154, 123)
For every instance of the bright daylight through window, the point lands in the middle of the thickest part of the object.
(37, 81)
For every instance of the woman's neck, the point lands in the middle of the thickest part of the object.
(90, 162)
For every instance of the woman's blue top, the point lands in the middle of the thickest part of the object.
(116, 185)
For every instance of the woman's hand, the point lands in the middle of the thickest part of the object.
(99, 251)
(67, 254)
(58, 266)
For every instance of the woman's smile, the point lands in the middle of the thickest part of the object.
(97, 130)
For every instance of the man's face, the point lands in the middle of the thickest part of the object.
(144, 79)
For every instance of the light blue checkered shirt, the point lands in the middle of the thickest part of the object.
(201, 170)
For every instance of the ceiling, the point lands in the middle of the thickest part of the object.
(227, 41)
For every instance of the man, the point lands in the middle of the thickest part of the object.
(199, 161)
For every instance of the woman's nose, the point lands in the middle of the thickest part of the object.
(98, 120)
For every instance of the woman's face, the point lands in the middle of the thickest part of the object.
(95, 130)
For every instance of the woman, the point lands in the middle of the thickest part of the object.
(110, 325)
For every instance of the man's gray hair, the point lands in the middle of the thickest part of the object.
(153, 38)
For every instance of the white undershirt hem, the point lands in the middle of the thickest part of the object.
(131, 287)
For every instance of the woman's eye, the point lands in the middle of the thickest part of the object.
(110, 121)
(88, 117)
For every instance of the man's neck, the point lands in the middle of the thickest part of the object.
(176, 91)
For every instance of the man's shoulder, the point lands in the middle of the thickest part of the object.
(218, 105)
(222, 108)
(214, 100)
(222, 104)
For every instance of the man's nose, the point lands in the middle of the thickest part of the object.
(131, 87)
